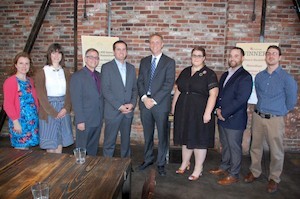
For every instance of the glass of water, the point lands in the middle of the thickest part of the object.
(40, 190)
(80, 154)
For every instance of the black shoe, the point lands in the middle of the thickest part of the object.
(161, 170)
(144, 165)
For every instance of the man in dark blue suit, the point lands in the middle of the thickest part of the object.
(234, 91)
(155, 83)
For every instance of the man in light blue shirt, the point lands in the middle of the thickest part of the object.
(277, 95)
(120, 95)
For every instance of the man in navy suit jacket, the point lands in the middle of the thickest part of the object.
(120, 96)
(87, 103)
(234, 91)
(155, 83)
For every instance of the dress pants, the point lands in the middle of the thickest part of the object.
(231, 141)
(272, 130)
(112, 127)
(89, 139)
(149, 119)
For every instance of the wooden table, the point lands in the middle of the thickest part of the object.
(98, 177)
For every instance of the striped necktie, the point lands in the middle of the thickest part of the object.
(153, 66)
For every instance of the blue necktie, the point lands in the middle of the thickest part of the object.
(153, 66)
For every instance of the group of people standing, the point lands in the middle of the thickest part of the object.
(112, 95)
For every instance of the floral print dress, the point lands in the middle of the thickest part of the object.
(28, 119)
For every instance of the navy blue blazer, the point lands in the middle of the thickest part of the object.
(233, 98)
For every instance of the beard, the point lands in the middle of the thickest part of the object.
(233, 64)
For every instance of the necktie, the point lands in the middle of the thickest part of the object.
(97, 81)
(153, 66)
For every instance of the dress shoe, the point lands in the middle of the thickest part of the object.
(144, 165)
(249, 177)
(228, 180)
(272, 186)
(161, 170)
(218, 172)
(181, 171)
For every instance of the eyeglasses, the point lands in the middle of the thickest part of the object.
(92, 58)
(197, 56)
(273, 53)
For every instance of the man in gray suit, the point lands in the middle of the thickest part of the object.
(155, 83)
(87, 103)
(120, 95)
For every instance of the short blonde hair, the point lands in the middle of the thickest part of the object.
(156, 34)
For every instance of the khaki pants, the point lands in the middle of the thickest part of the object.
(272, 130)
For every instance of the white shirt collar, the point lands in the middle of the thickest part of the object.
(157, 57)
(233, 70)
(120, 63)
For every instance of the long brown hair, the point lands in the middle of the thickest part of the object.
(12, 70)
(55, 47)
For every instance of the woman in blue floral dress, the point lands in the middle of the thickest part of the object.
(20, 104)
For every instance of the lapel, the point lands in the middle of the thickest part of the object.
(222, 80)
(117, 72)
(90, 81)
(159, 66)
(148, 61)
(233, 77)
(128, 71)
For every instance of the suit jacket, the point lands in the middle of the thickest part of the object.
(233, 98)
(87, 102)
(114, 92)
(162, 83)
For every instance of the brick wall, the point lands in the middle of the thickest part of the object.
(215, 24)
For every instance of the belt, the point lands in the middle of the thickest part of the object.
(193, 93)
(264, 115)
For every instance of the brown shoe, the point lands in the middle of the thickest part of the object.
(218, 172)
(249, 177)
(272, 186)
(228, 180)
